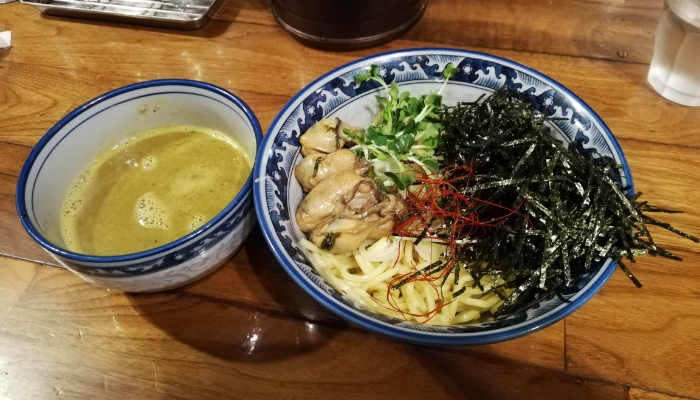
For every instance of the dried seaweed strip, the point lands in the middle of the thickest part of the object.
(572, 211)
(643, 206)
(437, 266)
(629, 273)
(668, 227)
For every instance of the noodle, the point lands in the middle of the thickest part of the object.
(365, 276)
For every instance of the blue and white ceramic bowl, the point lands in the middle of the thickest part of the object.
(77, 139)
(335, 94)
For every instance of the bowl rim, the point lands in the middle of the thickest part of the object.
(41, 144)
(417, 336)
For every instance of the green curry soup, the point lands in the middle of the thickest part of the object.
(152, 189)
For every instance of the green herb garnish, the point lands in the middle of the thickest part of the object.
(404, 134)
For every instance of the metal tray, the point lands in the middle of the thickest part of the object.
(178, 14)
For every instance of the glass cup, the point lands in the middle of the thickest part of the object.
(675, 68)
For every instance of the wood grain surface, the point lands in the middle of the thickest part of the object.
(247, 331)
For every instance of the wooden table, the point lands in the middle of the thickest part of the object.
(248, 331)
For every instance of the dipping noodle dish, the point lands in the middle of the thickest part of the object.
(448, 197)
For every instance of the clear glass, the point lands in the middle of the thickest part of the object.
(675, 68)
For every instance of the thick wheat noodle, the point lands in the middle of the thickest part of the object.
(364, 276)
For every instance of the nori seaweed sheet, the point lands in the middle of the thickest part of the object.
(572, 211)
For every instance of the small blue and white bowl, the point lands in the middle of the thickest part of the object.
(76, 140)
(419, 71)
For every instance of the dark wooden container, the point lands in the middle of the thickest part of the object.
(347, 24)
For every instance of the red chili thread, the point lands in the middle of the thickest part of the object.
(435, 210)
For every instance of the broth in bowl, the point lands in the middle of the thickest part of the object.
(152, 189)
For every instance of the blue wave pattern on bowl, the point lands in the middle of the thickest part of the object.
(574, 122)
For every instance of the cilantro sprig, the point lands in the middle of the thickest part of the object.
(406, 134)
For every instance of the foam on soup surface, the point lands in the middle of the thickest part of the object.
(152, 189)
